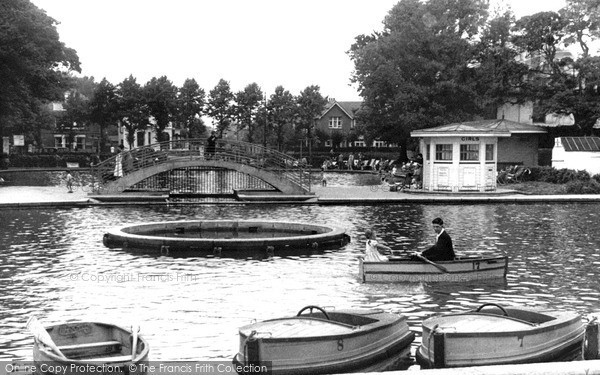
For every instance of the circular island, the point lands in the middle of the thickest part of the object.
(226, 238)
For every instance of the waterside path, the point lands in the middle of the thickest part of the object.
(57, 196)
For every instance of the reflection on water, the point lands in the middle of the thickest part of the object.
(53, 264)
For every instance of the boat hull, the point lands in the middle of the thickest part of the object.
(341, 349)
(460, 270)
(90, 347)
(460, 340)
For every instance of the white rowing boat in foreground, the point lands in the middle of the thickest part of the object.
(325, 342)
(494, 335)
(75, 345)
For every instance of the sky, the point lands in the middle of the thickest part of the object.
(292, 43)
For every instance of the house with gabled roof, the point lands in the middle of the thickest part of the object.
(578, 153)
(340, 118)
(466, 156)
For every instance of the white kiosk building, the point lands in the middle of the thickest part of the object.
(466, 156)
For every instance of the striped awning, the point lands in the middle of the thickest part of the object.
(581, 143)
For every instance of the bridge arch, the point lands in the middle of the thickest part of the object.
(121, 172)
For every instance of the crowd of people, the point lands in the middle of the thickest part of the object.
(408, 176)
(404, 175)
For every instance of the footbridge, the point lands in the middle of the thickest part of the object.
(192, 167)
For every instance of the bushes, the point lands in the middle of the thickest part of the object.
(557, 176)
(583, 187)
(47, 161)
(36, 161)
(575, 182)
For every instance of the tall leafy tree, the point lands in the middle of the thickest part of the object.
(582, 98)
(75, 116)
(161, 101)
(540, 36)
(103, 110)
(418, 71)
(248, 103)
(500, 75)
(132, 111)
(190, 107)
(197, 128)
(34, 64)
(283, 109)
(582, 19)
(219, 106)
(557, 83)
(310, 104)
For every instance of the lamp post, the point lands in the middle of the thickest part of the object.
(310, 138)
(266, 122)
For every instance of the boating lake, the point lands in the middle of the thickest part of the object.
(53, 264)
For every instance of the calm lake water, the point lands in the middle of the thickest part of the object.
(53, 264)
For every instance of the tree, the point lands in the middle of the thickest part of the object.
(34, 64)
(132, 112)
(337, 137)
(219, 106)
(283, 110)
(500, 77)
(190, 106)
(161, 101)
(76, 114)
(197, 128)
(559, 84)
(582, 19)
(418, 72)
(310, 104)
(248, 104)
(103, 109)
(541, 35)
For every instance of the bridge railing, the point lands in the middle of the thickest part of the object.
(196, 149)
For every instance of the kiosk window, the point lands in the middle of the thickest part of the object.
(469, 152)
(443, 152)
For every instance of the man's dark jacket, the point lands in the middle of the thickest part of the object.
(442, 250)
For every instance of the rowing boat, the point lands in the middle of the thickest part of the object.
(77, 345)
(402, 269)
(324, 342)
(495, 335)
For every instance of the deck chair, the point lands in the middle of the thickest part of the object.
(518, 176)
(502, 177)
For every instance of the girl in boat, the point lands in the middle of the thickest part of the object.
(374, 250)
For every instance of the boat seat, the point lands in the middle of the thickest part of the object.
(120, 358)
(89, 345)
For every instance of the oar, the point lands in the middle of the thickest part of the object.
(134, 329)
(442, 268)
(40, 334)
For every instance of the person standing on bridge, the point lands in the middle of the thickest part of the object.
(118, 173)
(211, 144)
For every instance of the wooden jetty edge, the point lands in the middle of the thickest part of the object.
(547, 368)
